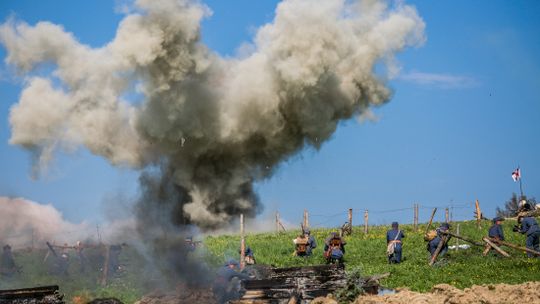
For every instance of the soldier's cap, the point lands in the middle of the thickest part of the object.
(497, 219)
(7, 247)
(395, 224)
(307, 231)
(231, 262)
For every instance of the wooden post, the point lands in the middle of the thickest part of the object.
(277, 222)
(105, 273)
(499, 250)
(478, 214)
(350, 218)
(306, 219)
(415, 219)
(242, 243)
(446, 217)
(457, 240)
(366, 217)
(32, 246)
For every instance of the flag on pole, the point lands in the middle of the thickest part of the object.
(516, 175)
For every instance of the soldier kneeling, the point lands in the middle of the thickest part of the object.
(334, 248)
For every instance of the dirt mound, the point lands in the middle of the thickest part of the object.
(443, 293)
(182, 295)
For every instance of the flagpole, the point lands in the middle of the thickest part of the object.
(521, 188)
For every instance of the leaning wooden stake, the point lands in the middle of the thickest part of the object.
(430, 220)
(515, 246)
(492, 245)
(438, 250)
(277, 222)
(242, 243)
(478, 214)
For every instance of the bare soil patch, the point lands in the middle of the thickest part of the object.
(528, 292)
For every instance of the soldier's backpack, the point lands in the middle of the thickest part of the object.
(334, 245)
(301, 245)
(430, 235)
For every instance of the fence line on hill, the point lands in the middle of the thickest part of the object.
(449, 212)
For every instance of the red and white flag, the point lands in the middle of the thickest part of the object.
(516, 175)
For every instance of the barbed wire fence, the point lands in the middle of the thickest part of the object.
(450, 213)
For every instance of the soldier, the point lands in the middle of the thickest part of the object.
(7, 266)
(80, 255)
(225, 287)
(334, 248)
(249, 256)
(434, 243)
(393, 242)
(495, 231)
(312, 243)
(62, 262)
(304, 244)
(529, 227)
(114, 259)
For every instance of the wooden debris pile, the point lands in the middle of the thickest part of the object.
(296, 284)
(36, 295)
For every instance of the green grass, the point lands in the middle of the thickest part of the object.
(364, 252)
(128, 287)
(368, 252)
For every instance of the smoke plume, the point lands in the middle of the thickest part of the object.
(203, 128)
(24, 223)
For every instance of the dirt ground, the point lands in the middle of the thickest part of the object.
(182, 295)
(443, 293)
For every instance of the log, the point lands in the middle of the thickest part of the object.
(438, 250)
(463, 238)
(515, 246)
(486, 250)
(499, 250)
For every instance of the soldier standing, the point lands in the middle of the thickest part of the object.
(394, 245)
(529, 227)
(7, 266)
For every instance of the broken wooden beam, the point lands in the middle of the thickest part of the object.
(515, 246)
(435, 255)
(462, 238)
(497, 248)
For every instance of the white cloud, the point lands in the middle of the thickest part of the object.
(444, 81)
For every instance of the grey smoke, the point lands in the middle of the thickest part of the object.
(208, 127)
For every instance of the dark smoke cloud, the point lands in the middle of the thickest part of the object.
(209, 127)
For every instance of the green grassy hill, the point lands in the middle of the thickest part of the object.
(368, 252)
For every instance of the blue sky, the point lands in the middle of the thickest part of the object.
(465, 112)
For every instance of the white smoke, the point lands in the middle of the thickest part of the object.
(23, 222)
(213, 125)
